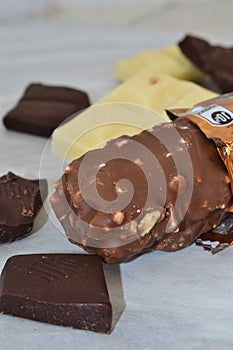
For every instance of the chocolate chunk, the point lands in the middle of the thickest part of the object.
(43, 108)
(20, 201)
(180, 189)
(215, 61)
(62, 289)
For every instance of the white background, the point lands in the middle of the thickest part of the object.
(172, 301)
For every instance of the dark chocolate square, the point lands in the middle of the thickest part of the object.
(42, 108)
(61, 289)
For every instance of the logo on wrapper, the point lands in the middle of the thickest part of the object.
(215, 114)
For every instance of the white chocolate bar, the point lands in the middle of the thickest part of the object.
(169, 60)
(146, 96)
(158, 91)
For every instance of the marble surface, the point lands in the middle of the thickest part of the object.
(179, 301)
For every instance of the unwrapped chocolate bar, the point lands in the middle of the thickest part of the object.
(160, 189)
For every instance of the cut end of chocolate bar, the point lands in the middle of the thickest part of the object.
(43, 108)
(215, 61)
(20, 201)
(175, 113)
(61, 289)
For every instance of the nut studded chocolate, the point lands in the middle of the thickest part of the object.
(20, 201)
(175, 163)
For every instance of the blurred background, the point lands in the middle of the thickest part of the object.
(78, 42)
(211, 16)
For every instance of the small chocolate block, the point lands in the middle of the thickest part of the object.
(20, 201)
(215, 61)
(43, 108)
(61, 289)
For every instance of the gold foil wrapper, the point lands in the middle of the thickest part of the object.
(215, 118)
(226, 154)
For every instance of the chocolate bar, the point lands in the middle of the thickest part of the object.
(215, 61)
(171, 200)
(20, 202)
(61, 289)
(43, 108)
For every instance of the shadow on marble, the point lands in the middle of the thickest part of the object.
(42, 217)
(115, 289)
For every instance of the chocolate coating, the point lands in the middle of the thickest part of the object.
(215, 61)
(173, 220)
(20, 201)
(43, 108)
(62, 289)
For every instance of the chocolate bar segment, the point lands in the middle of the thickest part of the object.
(180, 175)
(61, 289)
(215, 61)
(43, 108)
(20, 201)
(56, 93)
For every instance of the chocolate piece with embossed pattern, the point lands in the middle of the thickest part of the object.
(61, 289)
